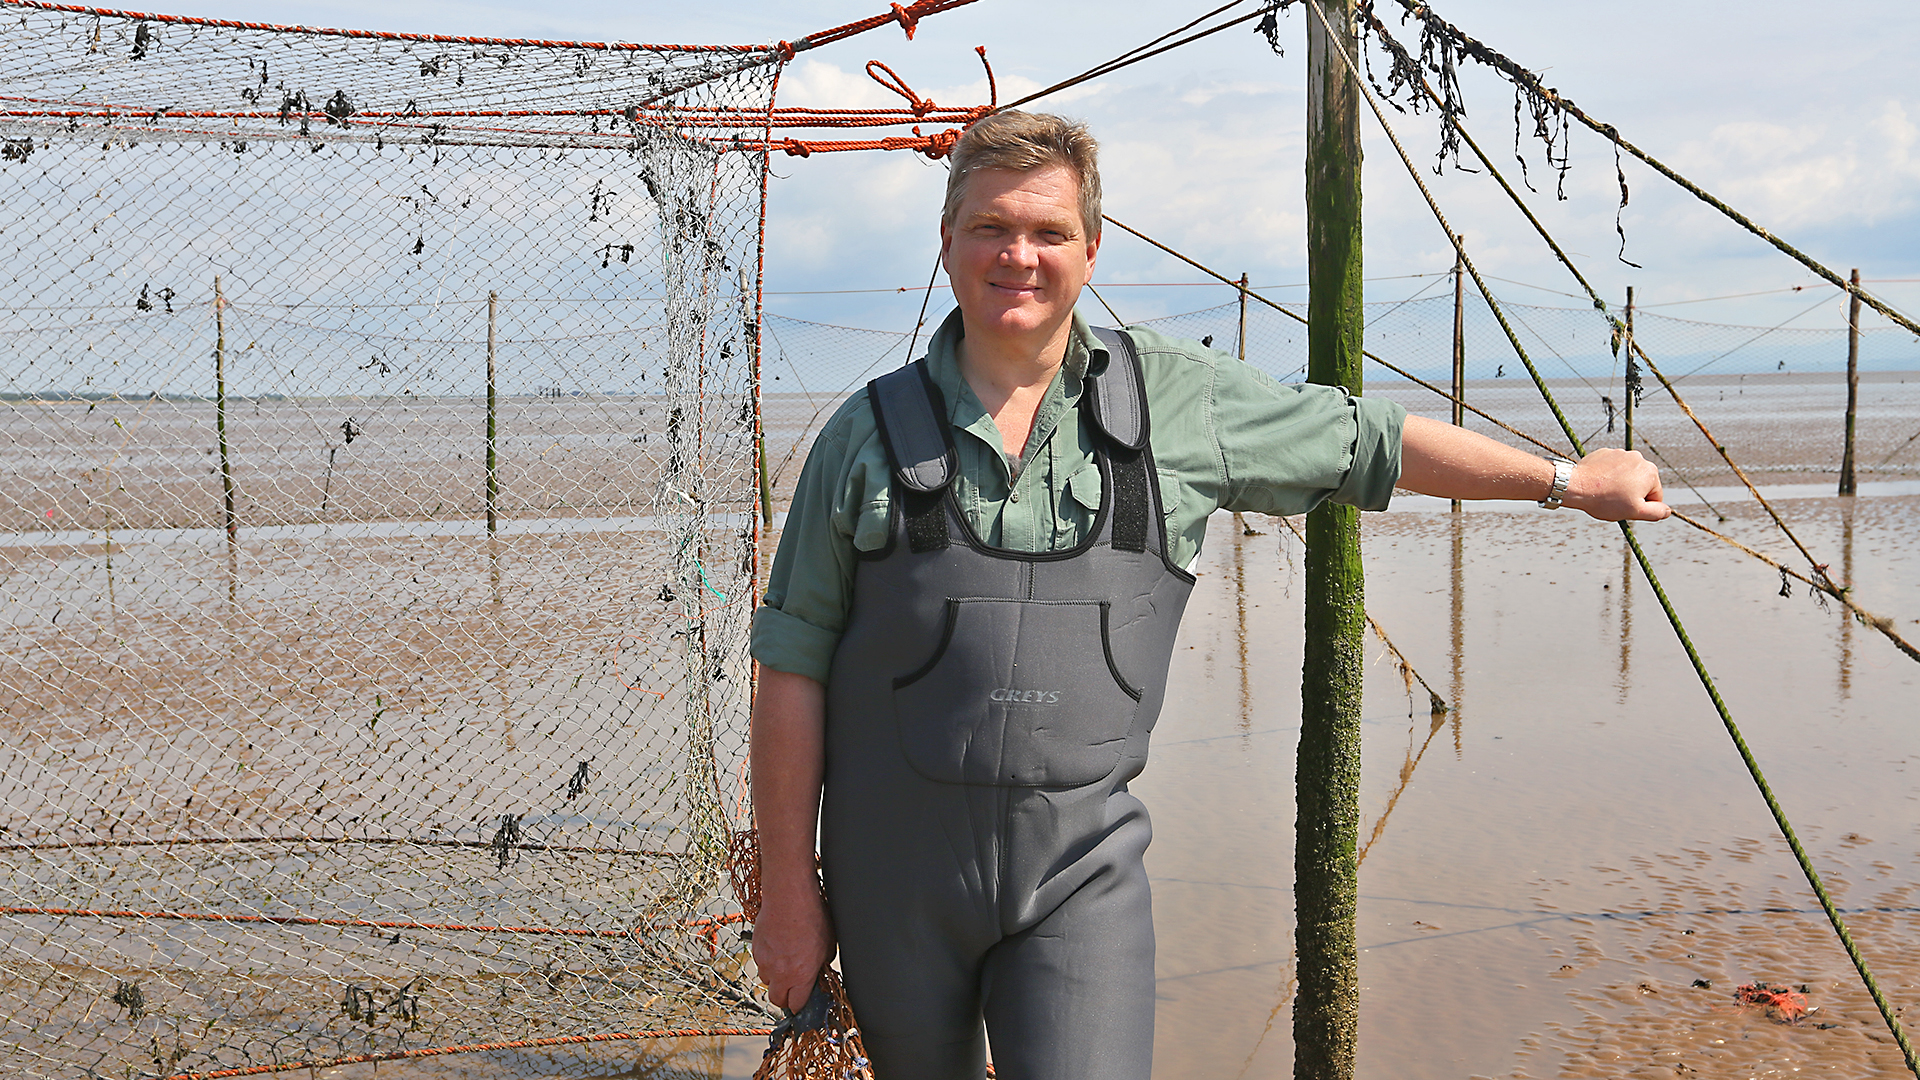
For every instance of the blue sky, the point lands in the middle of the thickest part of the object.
(1806, 121)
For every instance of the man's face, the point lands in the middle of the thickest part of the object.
(1017, 252)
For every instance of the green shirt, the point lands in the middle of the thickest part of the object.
(1225, 436)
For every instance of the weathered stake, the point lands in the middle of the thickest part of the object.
(493, 416)
(220, 405)
(1853, 383)
(1327, 780)
(1243, 316)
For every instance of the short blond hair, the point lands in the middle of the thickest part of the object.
(1021, 142)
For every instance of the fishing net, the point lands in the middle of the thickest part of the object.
(379, 414)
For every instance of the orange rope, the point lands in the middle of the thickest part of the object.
(908, 17)
(471, 1048)
(710, 924)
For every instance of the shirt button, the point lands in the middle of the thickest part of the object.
(1014, 495)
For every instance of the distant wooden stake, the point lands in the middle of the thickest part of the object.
(493, 414)
(1243, 317)
(1853, 384)
(220, 404)
(1326, 1017)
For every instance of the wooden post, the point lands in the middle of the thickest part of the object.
(1243, 317)
(1853, 383)
(1327, 779)
(1633, 375)
(493, 417)
(1459, 342)
(220, 405)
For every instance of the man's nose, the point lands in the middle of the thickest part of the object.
(1018, 251)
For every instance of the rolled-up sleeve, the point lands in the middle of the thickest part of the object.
(1288, 448)
(810, 586)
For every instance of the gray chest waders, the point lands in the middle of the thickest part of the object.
(985, 711)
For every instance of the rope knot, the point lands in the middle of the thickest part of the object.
(785, 49)
(940, 143)
(796, 148)
(908, 19)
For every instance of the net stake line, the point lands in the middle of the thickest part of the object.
(1479, 51)
(1437, 703)
(1296, 317)
(1878, 622)
(1632, 345)
(1673, 616)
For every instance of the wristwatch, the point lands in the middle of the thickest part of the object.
(1562, 473)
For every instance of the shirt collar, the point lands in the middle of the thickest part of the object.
(1084, 352)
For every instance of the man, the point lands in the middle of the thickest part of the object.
(966, 632)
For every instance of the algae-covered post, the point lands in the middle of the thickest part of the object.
(1459, 341)
(1326, 1013)
(1853, 382)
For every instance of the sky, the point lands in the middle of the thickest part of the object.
(1806, 121)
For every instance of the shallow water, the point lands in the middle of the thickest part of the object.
(1577, 842)
(1550, 867)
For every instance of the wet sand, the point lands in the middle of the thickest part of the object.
(1547, 872)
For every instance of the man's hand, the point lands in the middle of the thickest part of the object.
(1616, 485)
(792, 941)
(1437, 458)
(793, 937)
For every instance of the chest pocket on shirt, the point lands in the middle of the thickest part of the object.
(1169, 491)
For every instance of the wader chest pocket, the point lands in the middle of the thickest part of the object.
(1017, 693)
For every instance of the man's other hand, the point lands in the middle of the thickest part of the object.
(792, 942)
(1616, 485)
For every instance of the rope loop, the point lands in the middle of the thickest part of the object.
(796, 148)
(785, 49)
(892, 81)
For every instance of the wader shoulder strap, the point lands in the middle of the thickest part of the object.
(1117, 397)
(912, 418)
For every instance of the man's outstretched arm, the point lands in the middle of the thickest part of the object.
(793, 938)
(1439, 459)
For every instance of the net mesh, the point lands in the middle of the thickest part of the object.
(1774, 396)
(379, 539)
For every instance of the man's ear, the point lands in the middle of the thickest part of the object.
(946, 242)
(1093, 249)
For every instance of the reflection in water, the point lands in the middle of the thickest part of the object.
(1407, 767)
(1846, 617)
(1626, 621)
(493, 565)
(1241, 531)
(1459, 623)
(233, 573)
